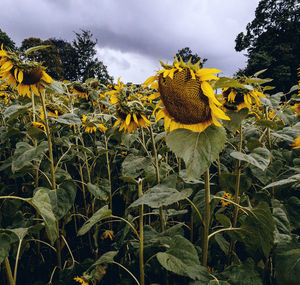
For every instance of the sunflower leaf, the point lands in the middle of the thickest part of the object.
(198, 150)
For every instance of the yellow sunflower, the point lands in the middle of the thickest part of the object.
(296, 143)
(79, 90)
(130, 110)
(92, 126)
(297, 108)
(186, 95)
(39, 125)
(239, 98)
(81, 281)
(27, 77)
(226, 196)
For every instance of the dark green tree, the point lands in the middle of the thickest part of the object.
(88, 65)
(68, 57)
(272, 41)
(6, 41)
(186, 54)
(49, 56)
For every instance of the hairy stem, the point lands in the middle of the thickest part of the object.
(206, 218)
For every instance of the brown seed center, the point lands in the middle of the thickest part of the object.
(184, 99)
(32, 76)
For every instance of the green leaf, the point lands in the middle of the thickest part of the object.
(4, 246)
(242, 275)
(100, 191)
(257, 230)
(260, 157)
(101, 214)
(14, 111)
(106, 258)
(292, 179)
(42, 203)
(182, 259)
(26, 153)
(293, 209)
(62, 199)
(222, 242)
(19, 232)
(161, 195)
(282, 223)
(227, 182)
(287, 262)
(235, 119)
(135, 166)
(68, 119)
(32, 49)
(198, 150)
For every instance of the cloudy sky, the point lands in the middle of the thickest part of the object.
(134, 34)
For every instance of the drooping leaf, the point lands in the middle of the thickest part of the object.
(100, 191)
(68, 119)
(242, 275)
(182, 259)
(235, 119)
(161, 195)
(134, 166)
(4, 246)
(292, 179)
(25, 154)
(260, 157)
(198, 150)
(14, 111)
(62, 199)
(257, 231)
(101, 214)
(42, 203)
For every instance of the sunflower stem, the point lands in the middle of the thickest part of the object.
(17, 261)
(236, 191)
(206, 219)
(108, 171)
(141, 240)
(157, 176)
(52, 168)
(9, 272)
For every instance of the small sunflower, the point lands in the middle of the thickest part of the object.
(27, 78)
(91, 126)
(108, 234)
(226, 196)
(297, 108)
(39, 125)
(239, 98)
(296, 143)
(80, 90)
(81, 281)
(186, 95)
(130, 110)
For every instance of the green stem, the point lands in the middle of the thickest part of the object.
(8, 272)
(108, 171)
(17, 260)
(119, 264)
(157, 177)
(206, 219)
(141, 227)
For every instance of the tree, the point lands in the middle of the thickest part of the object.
(6, 41)
(49, 56)
(272, 41)
(88, 65)
(68, 57)
(186, 54)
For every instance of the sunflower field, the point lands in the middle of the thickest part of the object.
(188, 178)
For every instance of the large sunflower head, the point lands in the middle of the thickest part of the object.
(130, 110)
(26, 77)
(187, 96)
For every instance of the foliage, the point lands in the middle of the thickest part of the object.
(271, 43)
(186, 54)
(81, 198)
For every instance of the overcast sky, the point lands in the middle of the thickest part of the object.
(134, 34)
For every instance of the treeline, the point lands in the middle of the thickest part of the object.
(75, 61)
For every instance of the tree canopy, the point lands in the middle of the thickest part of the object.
(272, 41)
(186, 54)
(6, 41)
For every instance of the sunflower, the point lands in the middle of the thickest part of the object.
(187, 97)
(130, 110)
(39, 125)
(226, 196)
(27, 78)
(296, 143)
(80, 90)
(239, 98)
(81, 281)
(91, 125)
(297, 108)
